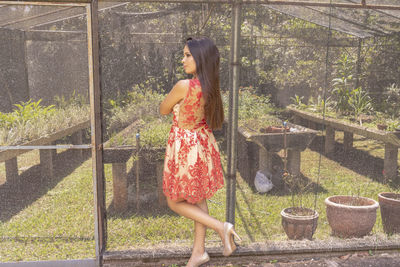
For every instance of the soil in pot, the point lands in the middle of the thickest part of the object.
(299, 222)
(381, 127)
(390, 211)
(350, 216)
(274, 129)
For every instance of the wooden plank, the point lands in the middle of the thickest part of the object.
(386, 137)
(347, 141)
(46, 163)
(11, 169)
(77, 140)
(120, 187)
(9, 154)
(293, 161)
(162, 200)
(96, 118)
(37, 35)
(390, 161)
(329, 140)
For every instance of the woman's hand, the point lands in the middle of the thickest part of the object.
(177, 93)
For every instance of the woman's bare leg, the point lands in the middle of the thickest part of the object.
(199, 236)
(194, 212)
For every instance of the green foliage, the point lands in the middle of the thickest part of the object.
(393, 125)
(75, 100)
(31, 120)
(135, 104)
(391, 100)
(360, 102)
(156, 133)
(251, 106)
(319, 105)
(298, 101)
(343, 84)
(341, 94)
(25, 112)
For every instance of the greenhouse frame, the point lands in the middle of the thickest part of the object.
(312, 11)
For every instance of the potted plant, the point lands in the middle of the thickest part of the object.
(351, 216)
(390, 211)
(298, 222)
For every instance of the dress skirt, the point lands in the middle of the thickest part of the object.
(192, 167)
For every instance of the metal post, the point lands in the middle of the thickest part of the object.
(100, 233)
(358, 67)
(233, 112)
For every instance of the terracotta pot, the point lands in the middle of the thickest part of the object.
(299, 226)
(381, 127)
(390, 211)
(351, 216)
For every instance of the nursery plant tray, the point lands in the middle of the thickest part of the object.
(299, 138)
(384, 136)
(9, 154)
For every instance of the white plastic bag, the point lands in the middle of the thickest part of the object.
(262, 181)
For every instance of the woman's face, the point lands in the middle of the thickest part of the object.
(189, 65)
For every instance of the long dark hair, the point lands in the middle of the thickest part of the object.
(206, 56)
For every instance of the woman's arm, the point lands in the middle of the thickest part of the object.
(177, 94)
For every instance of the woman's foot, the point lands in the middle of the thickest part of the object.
(196, 261)
(229, 243)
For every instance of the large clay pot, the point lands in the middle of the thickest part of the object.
(390, 211)
(299, 226)
(351, 216)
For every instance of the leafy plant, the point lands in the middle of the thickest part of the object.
(251, 106)
(75, 100)
(24, 112)
(391, 100)
(360, 102)
(31, 120)
(393, 125)
(297, 186)
(343, 83)
(298, 101)
(341, 94)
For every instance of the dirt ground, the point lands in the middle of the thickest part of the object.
(358, 259)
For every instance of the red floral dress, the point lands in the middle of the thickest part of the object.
(192, 167)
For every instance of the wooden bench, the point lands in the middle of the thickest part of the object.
(9, 156)
(118, 156)
(256, 150)
(391, 140)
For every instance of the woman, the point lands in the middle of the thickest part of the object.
(192, 168)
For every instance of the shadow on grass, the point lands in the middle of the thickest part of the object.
(356, 160)
(280, 188)
(30, 185)
(148, 209)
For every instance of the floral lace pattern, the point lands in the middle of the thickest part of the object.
(192, 167)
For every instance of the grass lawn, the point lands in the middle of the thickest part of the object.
(54, 219)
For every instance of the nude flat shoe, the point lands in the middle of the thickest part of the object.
(203, 259)
(229, 243)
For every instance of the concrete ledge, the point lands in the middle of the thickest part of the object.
(255, 252)
(60, 263)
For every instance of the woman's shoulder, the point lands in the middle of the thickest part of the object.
(183, 84)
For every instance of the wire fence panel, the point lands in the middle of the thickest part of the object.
(46, 199)
(318, 126)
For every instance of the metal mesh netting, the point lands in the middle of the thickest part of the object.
(330, 74)
(141, 53)
(46, 198)
(286, 61)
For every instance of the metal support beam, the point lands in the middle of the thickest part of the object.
(358, 66)
(82, 3)
(96, 132)
(277, 2)
(233, 112)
